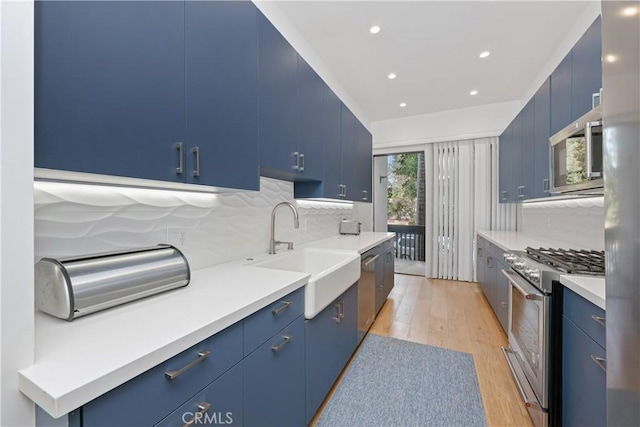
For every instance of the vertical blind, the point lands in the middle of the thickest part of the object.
(462, 187)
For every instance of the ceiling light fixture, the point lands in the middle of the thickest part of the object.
(473, 92)
(485, 54)
(630, 11)
(610, 58)
(403, 104)
(374, 30)
(392, 76)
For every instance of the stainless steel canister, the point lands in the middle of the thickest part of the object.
(74, 287)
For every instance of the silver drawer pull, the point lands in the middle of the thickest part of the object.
(202, 408)
(600, 361)
(171, 375)
(277, 311)
(286, 339)
(180, 167)
(600, 320)
(338, 318)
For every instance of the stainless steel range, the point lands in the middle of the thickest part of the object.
(535, 311)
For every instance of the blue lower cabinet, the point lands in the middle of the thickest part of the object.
(220, 403)
(168, 385)
(331, 338)
(274, 380)
(584, 380)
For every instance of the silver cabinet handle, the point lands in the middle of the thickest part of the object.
(301, 162)
(365, 195)
(600, 320)
(521, 191)
(295, 160)
(171, 375)
(285, 340)
(202, 408)
(277, 311)
(344, 186)
(489, 259)
(503, 304)
(337, 319)
(600, 361)
(545, 185)
(504, 195)
(180, 147)
(340, 188)
(598, 96)
(196, 152)
(341, 310)
(480, 252)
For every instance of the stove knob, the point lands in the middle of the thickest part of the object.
(534, 275)
(509, 258)
(519, 265)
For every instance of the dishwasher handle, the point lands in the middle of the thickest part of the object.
(369, 263)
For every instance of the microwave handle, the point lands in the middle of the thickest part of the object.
(588, 135)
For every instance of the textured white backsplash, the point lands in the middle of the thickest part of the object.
(579, 222)
(74, 219)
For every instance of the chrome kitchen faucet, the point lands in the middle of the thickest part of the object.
(296, 224)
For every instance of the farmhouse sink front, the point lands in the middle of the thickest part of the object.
(332, 273)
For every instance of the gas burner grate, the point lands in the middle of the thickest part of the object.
(571, 261)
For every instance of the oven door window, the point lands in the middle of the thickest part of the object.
(525, 327)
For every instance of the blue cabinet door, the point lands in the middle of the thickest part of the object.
(278, 105)
(527, 158)
(274, 380)
(586, 70)
(364, 164)
(505, 164)
(349, 144)
(321, 359)
(109, 87)
(222, 94)
(516, 184)
(347, 339)
(311, 90)
(501, 295)
(332, 144)
(584, 382)
(561, 95)
(542, 116)
(220, 403)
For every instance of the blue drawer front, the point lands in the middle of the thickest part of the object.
(585, 315)
(274, 380)
(123, 406)
(584, 383)
(218, 404)
(261, 325)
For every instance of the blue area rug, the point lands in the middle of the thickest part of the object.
(400, 383)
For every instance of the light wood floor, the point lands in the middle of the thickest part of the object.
(454, 315)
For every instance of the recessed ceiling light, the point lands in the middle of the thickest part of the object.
(610, 58)
(392, 76)
(374, 30)
(630, 11)
(485, 54)
(473, 92)
(403, 104)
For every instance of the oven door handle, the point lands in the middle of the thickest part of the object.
(523, 287)
(528, 402)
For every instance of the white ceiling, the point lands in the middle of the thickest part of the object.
(433, 48)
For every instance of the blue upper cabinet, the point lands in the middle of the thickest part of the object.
(505, 165)
(278, 70)
(222, 94)
(541, 134)
(516, 185)
(109, 87)
(561, 95)
(349, 144)
(527, 157)
(311, 89)
(365, 163)
(586, 70)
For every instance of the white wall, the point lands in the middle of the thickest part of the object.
(401, 134)
(74, 219)
(578, 222)
(16, 207)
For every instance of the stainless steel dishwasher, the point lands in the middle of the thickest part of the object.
(371, 270)
(384, 279)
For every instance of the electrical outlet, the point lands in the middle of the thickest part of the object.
(177, 237)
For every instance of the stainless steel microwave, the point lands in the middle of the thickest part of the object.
(576, 155)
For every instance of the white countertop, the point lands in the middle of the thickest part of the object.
(591, 288)
(517, 241)
(75, 362)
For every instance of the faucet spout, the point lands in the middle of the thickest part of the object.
(296, 224)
